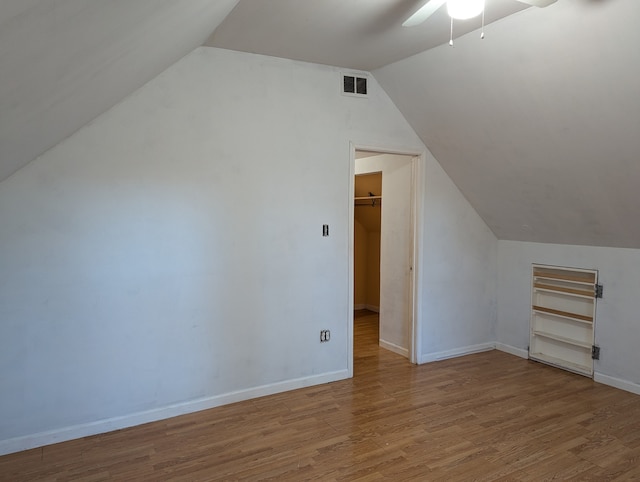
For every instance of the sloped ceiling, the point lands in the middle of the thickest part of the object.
(63, 62)
(539, 124)
(356, 34)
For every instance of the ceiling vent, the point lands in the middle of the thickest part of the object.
(355, 85)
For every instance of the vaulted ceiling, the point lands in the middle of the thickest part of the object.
(64, 62)
(356, 34)
(538, 124)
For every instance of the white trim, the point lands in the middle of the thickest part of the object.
(519, 352)
(617, 383)
(456, 352)
(350, 251)
(512, 350)
(116, 423)
(394, 348)
(418, 165)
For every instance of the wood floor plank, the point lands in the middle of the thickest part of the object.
(487, 416)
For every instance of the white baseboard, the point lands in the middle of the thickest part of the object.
(456, 352)
(597, 377)
(359, 306)
(617, 383)
(394, 348)
(522, 353)
(512, 350)
(116, 423)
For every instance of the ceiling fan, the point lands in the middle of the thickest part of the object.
(459, 9)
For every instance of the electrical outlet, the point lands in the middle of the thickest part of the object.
(325, 335)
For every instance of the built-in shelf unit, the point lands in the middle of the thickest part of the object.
(563, 310)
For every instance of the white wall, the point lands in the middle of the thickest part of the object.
(617, 329)
(459, 290)
(169, 255)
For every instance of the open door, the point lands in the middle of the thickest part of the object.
(395, 205)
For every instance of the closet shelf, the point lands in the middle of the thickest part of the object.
(371, 201)
(564, 317)
(563, 339)
(565, 277)
(561, 290)
(564, 314)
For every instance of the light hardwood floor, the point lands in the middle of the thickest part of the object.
(487, 416)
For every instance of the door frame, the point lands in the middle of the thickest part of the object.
(417, 203)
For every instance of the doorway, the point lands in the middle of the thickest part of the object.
(383, 245)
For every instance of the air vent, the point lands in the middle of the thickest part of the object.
(355, 84)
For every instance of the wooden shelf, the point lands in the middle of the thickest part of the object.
(563, 339)
(367, 198)
(565, 290)
(565, 314)
(564, 277)
(557, 362)
(565, 317)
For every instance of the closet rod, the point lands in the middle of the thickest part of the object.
(372, 201)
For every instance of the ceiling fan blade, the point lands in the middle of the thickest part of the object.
(538, 3)
(423, 13)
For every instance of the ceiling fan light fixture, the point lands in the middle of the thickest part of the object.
(464, 9)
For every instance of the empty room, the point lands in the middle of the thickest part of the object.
(329, 240)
